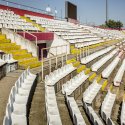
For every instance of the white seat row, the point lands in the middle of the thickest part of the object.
(107, 33)
(91, 57)
(11, 63)
(58, 74)
(13, 21)
(2, 62)
(88, 43)
(53, 116)
(18, 102)
(84, 40)
(122, 118)
(19, 27)
(6, 11)
(66, 30)
(109, 69)
(107, 105)
(118, 78)
(91, 92)
(92, 115)
(80, 37)
(103, 60)
(69, 87)
(74, 111)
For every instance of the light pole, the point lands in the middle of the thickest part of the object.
(106, 11)
(55, 12)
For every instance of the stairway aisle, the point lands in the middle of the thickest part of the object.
(37, 114)
(80, 105)
(63, 110)
(5, 87)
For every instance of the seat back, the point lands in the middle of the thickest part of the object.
(6, 121)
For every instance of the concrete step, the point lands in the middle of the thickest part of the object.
(63, 110)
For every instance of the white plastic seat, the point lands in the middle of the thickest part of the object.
(74, 83)
(18, 119)
(15, 118)
(107, 105)
(58, 74)
(74, 111)
(103, 60)
(91, 92)
(108, 70)
(93, 56)
(6, 121)
(118, 78)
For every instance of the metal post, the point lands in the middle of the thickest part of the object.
(49, 64)
(80, 54)
(42, 63)
(62, 60)
(86, 50)
(62, 56)
(56, 58)
(66, 51)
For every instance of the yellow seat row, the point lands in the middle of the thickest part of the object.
(24, 58)
(33, 23)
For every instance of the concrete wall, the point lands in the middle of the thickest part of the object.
(58, 42)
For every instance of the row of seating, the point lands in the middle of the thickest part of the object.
(93, 56)
(69, 87)
(118, 78)
(11, 64)
(74, 111)
(72, 34)
(6, 11)
(53, 115)
(109, 69)
(105, 32)
(92, 114)
(19, 100)
(80, 37)
(88, 42)
(8, 19)
(122, 118)
(107, 106)
(103, 60)
(58, 74)
(91, 92)
(18, 27)
(68, 31)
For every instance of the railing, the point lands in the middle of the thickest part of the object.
(24, 34)
(36, 41)
(19, 40)
(51, 56)
(21, 6)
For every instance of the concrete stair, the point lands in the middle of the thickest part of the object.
(25, 59)
(63, 110)
(37, 112)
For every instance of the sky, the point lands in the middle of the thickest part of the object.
(89, 11)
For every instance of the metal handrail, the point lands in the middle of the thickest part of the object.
(37, 9)
(29, 34)
(55, 56)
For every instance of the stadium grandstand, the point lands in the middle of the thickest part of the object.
(56, 71)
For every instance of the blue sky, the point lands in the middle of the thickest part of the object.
(90, 11)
